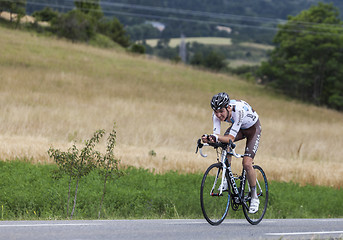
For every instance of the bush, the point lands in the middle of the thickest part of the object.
(212, 60)
(103, 41)
(137, 48)
(75, 26)
(46, 15)
(77, 164)
(114, 30)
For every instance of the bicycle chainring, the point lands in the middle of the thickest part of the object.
(234, 205)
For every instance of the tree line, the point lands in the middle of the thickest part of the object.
(84, 23)
(305, 63)
(250, 20)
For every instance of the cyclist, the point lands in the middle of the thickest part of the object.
(245, 124)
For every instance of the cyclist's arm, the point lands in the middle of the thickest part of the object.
(216, 124)
(216, 128)
(226, 138)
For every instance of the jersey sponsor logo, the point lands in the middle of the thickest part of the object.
(233, 130)
(240, 117)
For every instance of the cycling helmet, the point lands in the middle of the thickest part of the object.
(220, 100)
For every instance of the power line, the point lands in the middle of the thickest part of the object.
(192, 13)
(175, 11)
(171, 18)
(189, 12)
(208, 14)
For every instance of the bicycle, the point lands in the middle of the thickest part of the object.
(215, 202)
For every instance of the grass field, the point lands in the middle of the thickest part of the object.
(238, 52)
(204, 40)
(54, 92)
(37, 192)
(210, 41)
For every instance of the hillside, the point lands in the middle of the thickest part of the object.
(54, 92)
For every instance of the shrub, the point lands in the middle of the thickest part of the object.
(74, 25)
(138, 48)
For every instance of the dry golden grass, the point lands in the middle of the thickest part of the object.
(25, 19)
(203, 40)
(53, 92)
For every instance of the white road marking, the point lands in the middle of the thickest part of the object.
(47, 225)
(304, 233)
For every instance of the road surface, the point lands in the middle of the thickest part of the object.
(167, 229)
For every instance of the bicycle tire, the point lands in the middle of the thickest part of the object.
(214, 207)
(262, 192)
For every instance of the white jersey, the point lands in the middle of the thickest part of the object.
(243, 117)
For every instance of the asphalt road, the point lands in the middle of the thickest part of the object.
(197, 229)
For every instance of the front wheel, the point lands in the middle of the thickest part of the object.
(262, 193)
(214, 206)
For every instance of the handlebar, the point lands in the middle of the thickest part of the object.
(231, 145)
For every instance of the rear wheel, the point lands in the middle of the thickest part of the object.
(262, 193)
(214, 206)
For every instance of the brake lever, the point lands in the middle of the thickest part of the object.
(199, 145)
(199, 148)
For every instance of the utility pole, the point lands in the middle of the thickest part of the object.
(183, 50)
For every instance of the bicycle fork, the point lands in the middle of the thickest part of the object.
(224, 167)
(212, 193)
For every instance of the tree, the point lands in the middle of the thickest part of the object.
(77, 163)
(14, 7)
(74, 25)
(115, 30)
(215, 60)
(5, 5)
(306, 62)
(90, 7)
(197, 59)
(46, 15)
(138, 48)
(212, 60)
(108, 164)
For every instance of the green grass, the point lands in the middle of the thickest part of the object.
(34, 191)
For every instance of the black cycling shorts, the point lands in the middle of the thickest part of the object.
(253, 135)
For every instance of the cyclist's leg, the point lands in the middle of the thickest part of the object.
(253, 135)
(251, 174)
(253, 138)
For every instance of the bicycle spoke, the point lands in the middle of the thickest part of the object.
(259, 190)
(214, 205)
(262, 193)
